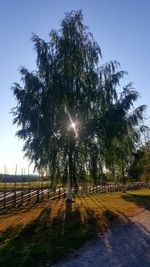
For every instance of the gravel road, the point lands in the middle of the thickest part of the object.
(127, 244)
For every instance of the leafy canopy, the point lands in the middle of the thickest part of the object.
(71, 118)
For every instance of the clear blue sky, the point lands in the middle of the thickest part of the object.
(122, 29)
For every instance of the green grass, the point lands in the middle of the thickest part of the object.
(18, 185)
(49, 232)
(141, 198)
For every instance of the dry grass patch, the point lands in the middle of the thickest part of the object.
(50, 231)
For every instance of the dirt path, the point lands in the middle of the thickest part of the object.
(127, 244)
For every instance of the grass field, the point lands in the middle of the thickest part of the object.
(19, 185)
(48, 232)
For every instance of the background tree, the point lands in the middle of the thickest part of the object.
(71, 119)
(140, 165)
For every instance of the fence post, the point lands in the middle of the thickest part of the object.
(47, 191)
(42, 188)
(22, 195)
(38, 195)
(4, 195)
(15, 195)
(29, 196)
(21, 186)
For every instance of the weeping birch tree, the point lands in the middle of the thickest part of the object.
(68, 110)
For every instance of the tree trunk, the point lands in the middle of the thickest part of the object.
(69, 195)
(123, 176)
(70, 172)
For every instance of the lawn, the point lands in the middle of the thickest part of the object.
(23, 185)
(33, 236)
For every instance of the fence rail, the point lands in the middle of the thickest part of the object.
(15, 197)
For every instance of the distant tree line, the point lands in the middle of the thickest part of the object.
(140, 166)
(5, 178)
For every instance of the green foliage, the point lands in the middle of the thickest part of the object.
(69, 86)
(140, 167)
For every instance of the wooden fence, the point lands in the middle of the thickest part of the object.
(14, 197)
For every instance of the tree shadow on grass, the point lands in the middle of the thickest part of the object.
(50, 237)
(73, 231)
(21, 247)
(57, 233)
(124, 244)
(140, 200)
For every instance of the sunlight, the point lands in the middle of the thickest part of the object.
(73, 125)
